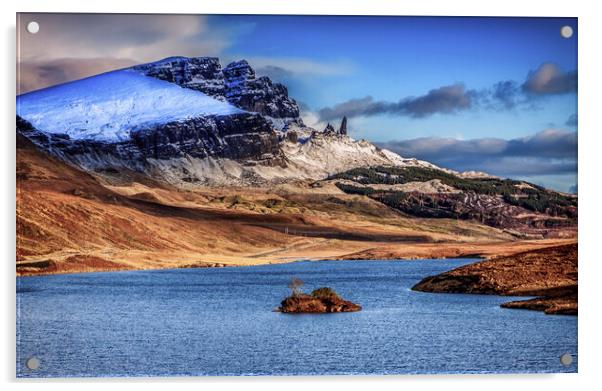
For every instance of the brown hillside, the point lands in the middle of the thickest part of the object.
(70, 221)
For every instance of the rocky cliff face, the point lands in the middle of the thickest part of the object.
(238, 136)
(198, 73)
(242, 137)
(236, 83)
(343, 128)
(248, 92)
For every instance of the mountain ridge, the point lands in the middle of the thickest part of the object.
(221, 169)
(190, 122)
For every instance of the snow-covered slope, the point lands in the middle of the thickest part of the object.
(314, 157)
(107, 107)
(322, 155)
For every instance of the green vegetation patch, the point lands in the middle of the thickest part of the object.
(531, 196)
(324, 293)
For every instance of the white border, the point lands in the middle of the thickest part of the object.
(590, 67)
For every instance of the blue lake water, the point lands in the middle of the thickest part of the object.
(220, 322)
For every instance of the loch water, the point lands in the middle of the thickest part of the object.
(220, 321)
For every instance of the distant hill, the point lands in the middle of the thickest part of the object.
(519, 207)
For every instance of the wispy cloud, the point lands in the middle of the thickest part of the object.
(34, 75)
(547, 79)
(71, 46)
(446, 99)
(549, 152)
(505, 93)
(300, 66)
(141, 37)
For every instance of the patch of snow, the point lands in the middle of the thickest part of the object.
(107, 107)
(322, 155)
(433, 186)
(475, 175)
(281, 124)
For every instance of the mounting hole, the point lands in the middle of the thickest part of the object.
(566, 359)
(566, 32)
(33, 27)
(32, 363)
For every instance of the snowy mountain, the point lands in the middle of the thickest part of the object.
(109, 106)
(190, 122)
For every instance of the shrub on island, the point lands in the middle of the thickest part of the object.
(321, 300)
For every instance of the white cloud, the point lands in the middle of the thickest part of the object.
(303, 66)
(137, 37)
(72, 46)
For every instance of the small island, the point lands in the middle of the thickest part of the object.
(321, 300)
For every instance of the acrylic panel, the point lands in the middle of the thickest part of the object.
(216, 195)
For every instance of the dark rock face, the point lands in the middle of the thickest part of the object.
(198, 73)
(292, 136)
(343, 128)
(239, 136)
(259, 95)
(237, 83)
(63, 146)
(329, 128)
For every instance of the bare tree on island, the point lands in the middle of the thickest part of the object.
(295, 286)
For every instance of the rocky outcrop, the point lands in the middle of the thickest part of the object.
(343, 127)
(329, 129)
(198, 73)
(322, 300)
(292, 136)
(555, 301)
(239, 136)
(550, 273)
(257, 94)
(237, 83)
(242, 137)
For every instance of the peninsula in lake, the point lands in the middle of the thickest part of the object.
(550, 274)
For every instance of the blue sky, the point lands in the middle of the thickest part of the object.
(412, 84)
(392, 58)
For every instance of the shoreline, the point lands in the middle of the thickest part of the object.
(230, 266)
(318, 252)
